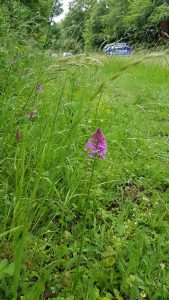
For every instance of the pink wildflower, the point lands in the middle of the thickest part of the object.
(97, 146)
(32, 114)
(18, 136)
(39, 88)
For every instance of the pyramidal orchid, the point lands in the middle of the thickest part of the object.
(32, 114)
(18, 136)
(97, 146)
(39, 87)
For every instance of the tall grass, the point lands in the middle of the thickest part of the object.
(68, 230)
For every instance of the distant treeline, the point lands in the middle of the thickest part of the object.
(90, 24)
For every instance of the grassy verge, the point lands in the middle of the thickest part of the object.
(46, 175)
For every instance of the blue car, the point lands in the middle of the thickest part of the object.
(117, 49)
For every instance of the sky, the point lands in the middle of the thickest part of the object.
(65, 10)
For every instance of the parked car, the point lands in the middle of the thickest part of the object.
(117, 49)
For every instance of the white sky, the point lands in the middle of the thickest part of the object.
(65, 10)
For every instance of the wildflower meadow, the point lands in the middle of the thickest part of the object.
(84, 175)
(84, 179)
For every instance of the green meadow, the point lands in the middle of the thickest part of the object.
(73, 227)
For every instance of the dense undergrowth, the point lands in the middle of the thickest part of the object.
(49, 187)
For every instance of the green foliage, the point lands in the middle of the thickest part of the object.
(94, 28)
(92, 24)
(74, 228)
(27, 20)
(160, 13)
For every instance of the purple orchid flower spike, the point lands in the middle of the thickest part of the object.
(97, 146)
(32, 114)
(39, 87)
(18, 136)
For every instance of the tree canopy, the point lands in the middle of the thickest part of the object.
(27, 18)
(89, 24)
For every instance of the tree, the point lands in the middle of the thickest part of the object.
(94, 34)
(30, 17)
(74, 23)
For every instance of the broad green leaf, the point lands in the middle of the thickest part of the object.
(6, 268)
